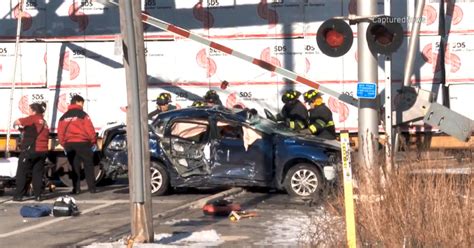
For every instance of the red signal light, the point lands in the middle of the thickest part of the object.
(384, 35)
(381, 35)
(334, 38)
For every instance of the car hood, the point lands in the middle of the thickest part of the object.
(302, 139)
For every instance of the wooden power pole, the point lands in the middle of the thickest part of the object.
(131, 27)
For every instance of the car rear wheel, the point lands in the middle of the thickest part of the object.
(160, 182)
(303, 180)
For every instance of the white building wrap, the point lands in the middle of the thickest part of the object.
(70, 47)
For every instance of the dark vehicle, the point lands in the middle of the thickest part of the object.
(210, 147)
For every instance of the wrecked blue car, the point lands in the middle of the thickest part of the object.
(215, 147)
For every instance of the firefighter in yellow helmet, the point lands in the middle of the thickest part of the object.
(320, 122)
(293, 113)
(162, 105)
(199, 104)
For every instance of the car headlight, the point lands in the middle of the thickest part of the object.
(119, 142)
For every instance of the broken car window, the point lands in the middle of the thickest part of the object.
(227, 130)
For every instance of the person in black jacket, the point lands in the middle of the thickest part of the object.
(320, 122)
(293, 113)
(162, 105)
(76, 134)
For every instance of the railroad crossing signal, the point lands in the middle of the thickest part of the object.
(384, 36)
(334, 37)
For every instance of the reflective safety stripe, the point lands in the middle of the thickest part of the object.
(292, 124)
(321, 122)
(300, 124)
(330, 123)
(313, 128)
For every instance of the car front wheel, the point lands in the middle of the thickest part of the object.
(303, 180)
(159, 179)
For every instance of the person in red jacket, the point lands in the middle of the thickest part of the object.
(77, 135)
(34, 148)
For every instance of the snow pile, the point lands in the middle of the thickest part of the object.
(204, 238)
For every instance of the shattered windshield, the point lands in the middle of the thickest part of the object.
(268, 126)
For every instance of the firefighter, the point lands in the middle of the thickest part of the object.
(198, 104)
(293, 113)
(76, 134)
(162, 105)
(212, 98)
(34, 148)
(320, 122)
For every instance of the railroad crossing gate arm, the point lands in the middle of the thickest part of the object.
(449, 121)
(417, 104)
(263, 64)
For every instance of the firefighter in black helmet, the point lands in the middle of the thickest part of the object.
(162, 105)
(293, 113)
(212, 98)
(320, 122)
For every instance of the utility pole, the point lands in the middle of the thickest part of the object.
(367, 72)
(137, 122)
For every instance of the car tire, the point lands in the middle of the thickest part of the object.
(159, 179)
(303, 180)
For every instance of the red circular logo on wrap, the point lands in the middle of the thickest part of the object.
(429, 12)
(233, 101)
(266, 56)
(71, 66)
(207, 63)
(26, 20)
(338, 107)
(434, 59)
(352, 7)
(455, 12)
(24, 105)
(267, 14)
(76, 15)
(307, 65)
(203, 16)
(62, 103)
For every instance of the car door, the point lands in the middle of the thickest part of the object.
(240, 152)
(187, 143)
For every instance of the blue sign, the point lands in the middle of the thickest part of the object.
(366, 90)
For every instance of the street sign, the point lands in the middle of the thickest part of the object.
(366, 90)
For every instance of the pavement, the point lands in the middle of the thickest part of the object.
(178, 220)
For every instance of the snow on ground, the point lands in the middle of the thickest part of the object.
(174, 222)
(181, 239)
(292, 227)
